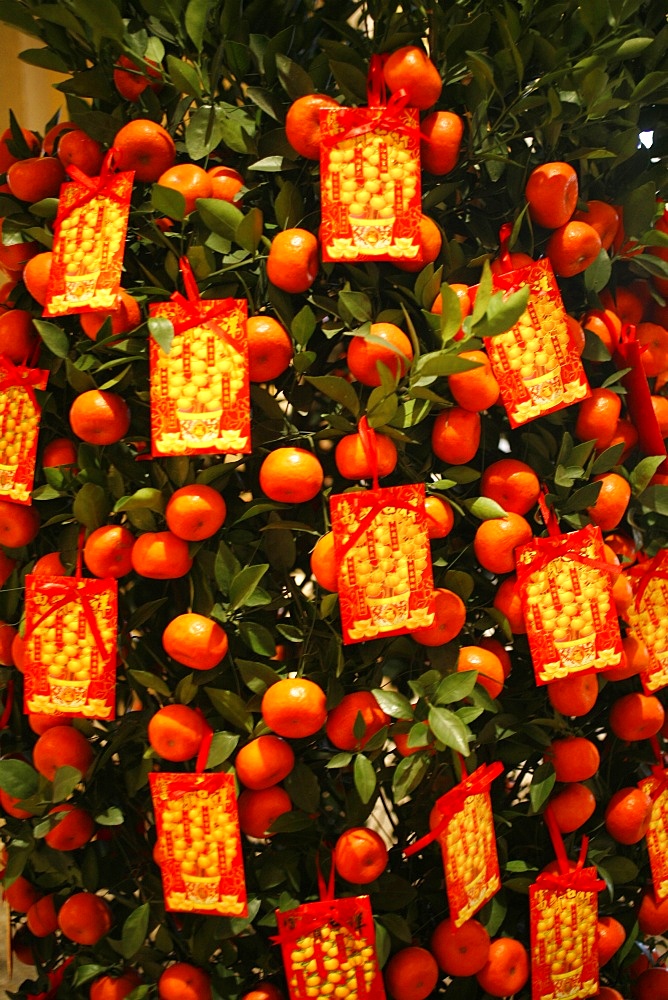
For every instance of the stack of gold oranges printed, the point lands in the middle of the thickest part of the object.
(90, 237)
(648, 621)
(468, 844)
(18, 432)
(332, 962)
(565, 938)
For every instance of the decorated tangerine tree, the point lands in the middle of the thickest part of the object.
(208, 597)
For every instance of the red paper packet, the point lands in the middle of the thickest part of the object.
(656, 787)
(70, 646)
(199, 844)
(382, 550)
(648, 617)
(370, 183)
(536, 362)
(563, 913)
(565, 587)
(89, 242)
(19, 425)
(328, 945)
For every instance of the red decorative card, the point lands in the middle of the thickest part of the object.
(200, 389)
(656, 787)
(563, 912)
(199, 844)
(536, 362)
(382, 550)
(19, 426)
(71, 626)
(565, 586)
(329, 949)
(89, 242)
(371, 200)
(648, 617)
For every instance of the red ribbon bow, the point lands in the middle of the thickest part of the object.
(93, 186)
(578, 878)
(23, 377)
(198, 312)
(67, 590)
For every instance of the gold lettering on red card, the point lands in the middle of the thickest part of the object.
(657, 832)
(564, 949)
(648, 618)
(19, 426)
(199, 844)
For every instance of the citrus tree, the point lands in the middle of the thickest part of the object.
(545, 119)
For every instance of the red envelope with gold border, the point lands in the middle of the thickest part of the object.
(199, 844)
(656, 787)
(19, 426)
(89, 242)
(330, 946)
(536, 362)
(563, 913)
(71, 626)
(200, 389)
(648, 617)
(370, 183)
(382, 550)
(565, 586)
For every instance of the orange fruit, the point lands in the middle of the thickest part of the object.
(36, 275)
(506, 970)
(576, 333)
(145, 147)
(270, 348)
(264, 761)
(627, 815)
(124, 317)
(353, 462)
(61, 746)
(360, 855)
(13, 256)
(188, 179)
(342, 721)
(324, 566)
(183, 981)
(660, 407)
(625, 301)
(512, 484)
(611, 503)
(652, 984)
(611, 936)
(552, 194)
(18, 525)
(302, 124)
(574, 695)
(108, 551)
(39, 723)
(488, 666)
(499, 650)
(132, 78)
(264, 991)
(195, 641)
(6, 139)
(606, 325)
(99, 417)
(654, 338)
(291, 475)
(226, 182)
(36, 178)
(401, 739)
(10, 805)
(411, 974)
(410, 68)
(77, 149)
(18, 647)
(517, 260)
(430, 239)
(574, 758)
(636, 716)
(74, 828)
(652, 914)
(18, 335)
(608, 993)
(176, 732)
(160, 555)
(440, 518)
(293, 261)
(572, 806)
(441, 135)
(195, 512)
(60, 451)
(626, 434)
(507, 600)
(572, 248)
(114, 987)
(476, 389)
(294, 707)
(455, 435)
(365, 354)
(495, 542)
(41, 918)
(603, 218)
(259, 809)
(460, 951)
(635, 659)
(623, 546)
(85, 918)
(598, 416)
(449, 619)
(21, 894)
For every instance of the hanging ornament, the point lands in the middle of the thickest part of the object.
(656, 786)
(648, 617)
(19, 425)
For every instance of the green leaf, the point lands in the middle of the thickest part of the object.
(226, 567)
(643, 472)
(256, 676)
(303, 787)
(144, 499)
(249, 231)
(441, 363)
(585, 497)
(339, 760)
(289, 206)
(87, 972)
(184, 77)
(639, 209)
(230, 706)
(112, 816)
(365, 777)
(303, 325)
(222, 746)
(607, 459)
(381, 407)
(358, 306)
(195, 21)
(54, 337)
(350, 80)
(258, 638)
(244, 584)
(91, 506)
(393, 703)
(408, 774)
(449, 729)
(135, 930)
(162, 332)
(655, 498)
(65, 781)
(451, 313)
(455, 687)
(338, 389)
(597, 275)
(542, 784)
(18, 778)
(168, 202)
(484, 508)
(204, 131)
(149, 681)
(104, 19)
(220, 216)
(502, 313)
(295, 81)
